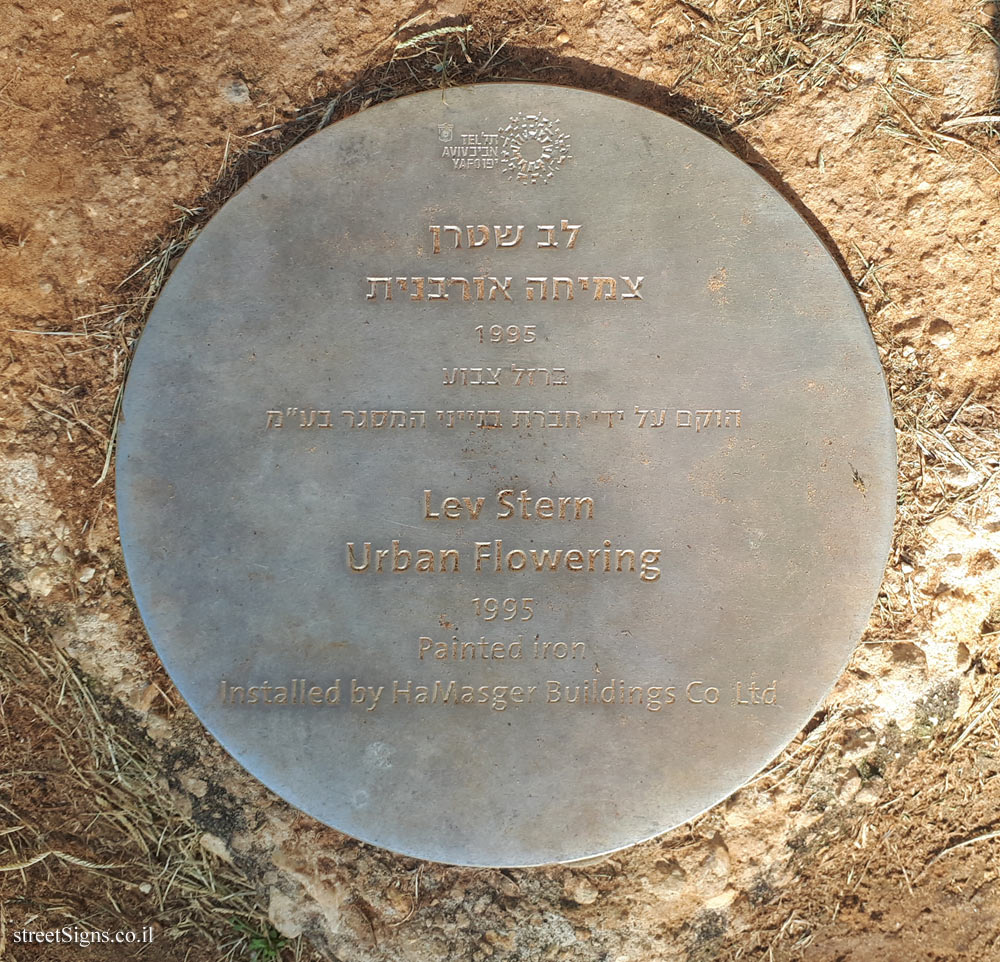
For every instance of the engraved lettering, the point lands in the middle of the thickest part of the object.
(573, 230)
(567, 288)
(698, 693)
(504, 239)
(471, 376)
(373, 283)
(395, 559)
(605, 287)
(655, 422)
(633, 293)
(614, 692)
(557, 377)
(599, 285)
(484, 232)
(610, 415)
(502, 288)
(482, 650)
(702, 419)
(453, 508)
(543, 283)
(550, 231)
(524, 507)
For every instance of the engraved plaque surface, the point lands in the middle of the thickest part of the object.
(506, 474)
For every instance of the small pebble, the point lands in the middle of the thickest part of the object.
(236, 92)
(580, 889)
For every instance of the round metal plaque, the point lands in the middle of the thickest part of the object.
(506, 474)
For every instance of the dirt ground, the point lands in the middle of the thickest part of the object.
(126, 124)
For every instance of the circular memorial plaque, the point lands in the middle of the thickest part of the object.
(506, 474)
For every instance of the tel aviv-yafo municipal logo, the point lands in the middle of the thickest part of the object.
(532, 149)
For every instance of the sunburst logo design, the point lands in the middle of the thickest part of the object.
(533, 148)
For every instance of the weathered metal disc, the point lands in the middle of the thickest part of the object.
(381, 321)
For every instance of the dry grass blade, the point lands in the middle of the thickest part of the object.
(18, 330)
(924, 136)
(115, 415)
(405, 25)
(969, 121)
(433, 35)
(65, 856)
(987, 837)
(976, 722)
(138, 859)
(778, 47)
(949, 465)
